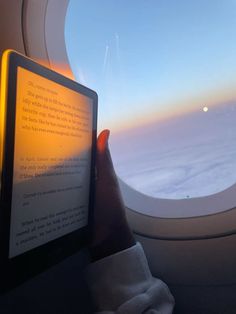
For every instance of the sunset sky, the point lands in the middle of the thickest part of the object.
(151, 59)
(165, 74)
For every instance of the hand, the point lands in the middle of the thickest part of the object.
(111, 232)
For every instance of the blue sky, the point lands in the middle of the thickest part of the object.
(148, 57)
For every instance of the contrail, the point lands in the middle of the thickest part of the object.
(118, 48)
(120, 69)
(105, 61)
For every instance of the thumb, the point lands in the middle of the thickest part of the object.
(102, 141)
(104, 163)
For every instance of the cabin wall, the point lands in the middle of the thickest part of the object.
(200, 273)
(11, 36)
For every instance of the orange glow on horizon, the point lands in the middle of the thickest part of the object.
(174, 110)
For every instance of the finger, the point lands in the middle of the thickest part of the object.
(102, 141)
(105, 169)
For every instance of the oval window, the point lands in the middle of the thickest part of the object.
(165, 75)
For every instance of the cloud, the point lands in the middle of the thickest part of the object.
(190, 158)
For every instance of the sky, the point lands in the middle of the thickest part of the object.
(165, 74)
(154, 58)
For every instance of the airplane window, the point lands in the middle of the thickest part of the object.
(165, 75)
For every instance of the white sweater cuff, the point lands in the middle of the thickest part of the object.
(119, 278)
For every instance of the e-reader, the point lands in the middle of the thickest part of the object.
(48, 140)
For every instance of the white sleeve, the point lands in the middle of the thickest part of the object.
(122, 283)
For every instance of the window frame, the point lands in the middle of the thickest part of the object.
(195, 218)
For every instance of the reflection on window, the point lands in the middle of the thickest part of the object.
(165, 75)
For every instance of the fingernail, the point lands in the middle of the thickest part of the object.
(103, 140)
(107, 136)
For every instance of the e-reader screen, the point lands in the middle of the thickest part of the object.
(52, 158)
(52, 155)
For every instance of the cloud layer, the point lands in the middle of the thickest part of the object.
(189, 156)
